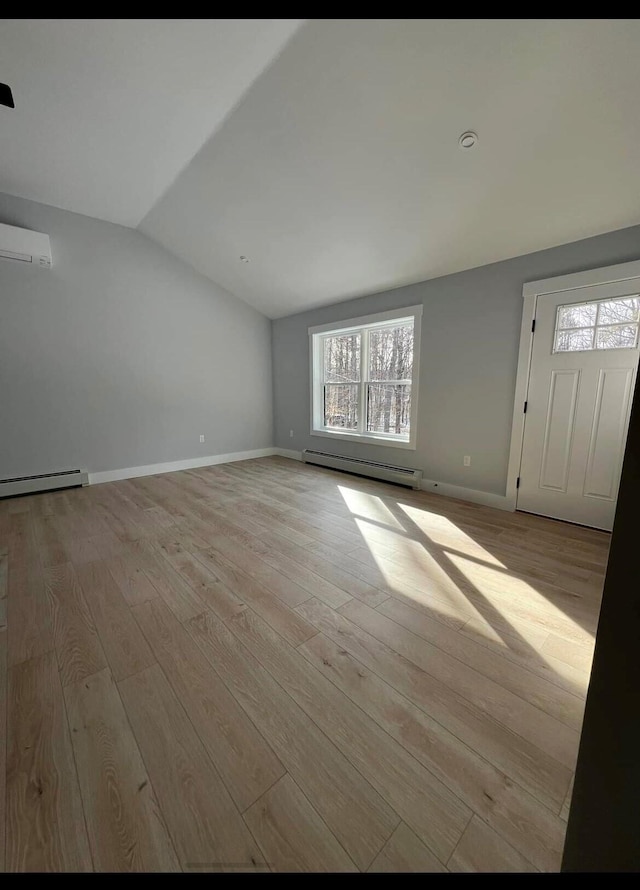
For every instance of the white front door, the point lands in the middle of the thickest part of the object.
(583, 368)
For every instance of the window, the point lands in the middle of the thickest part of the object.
(364, 378)
(603, 324)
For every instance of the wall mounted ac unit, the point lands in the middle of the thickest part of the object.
(25, 246)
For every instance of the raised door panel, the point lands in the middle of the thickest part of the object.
(606, 443)
(558, 434)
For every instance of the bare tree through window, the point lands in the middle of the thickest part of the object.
(342, 378)
(389, 387)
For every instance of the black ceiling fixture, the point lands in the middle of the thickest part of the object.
(6, 96)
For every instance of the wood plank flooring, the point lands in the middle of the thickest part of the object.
(266, 666)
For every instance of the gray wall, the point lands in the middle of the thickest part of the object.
(470, 339)
(122, 355)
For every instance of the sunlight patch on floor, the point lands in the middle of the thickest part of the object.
(494, 585)
(443, 532)
(433, 589)
(521, 636)
(414, 556)
(369, 506)
(579, 679)
(526, 642)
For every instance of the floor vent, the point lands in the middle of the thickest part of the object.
(42, 482)
(387, 472)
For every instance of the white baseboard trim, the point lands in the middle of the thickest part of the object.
(486, 498)
(288, 452)
(176, 465)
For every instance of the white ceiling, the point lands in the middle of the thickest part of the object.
(338, 171)
(340, 174)
(108, 112)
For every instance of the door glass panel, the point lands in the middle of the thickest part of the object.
(603, 324)
(620, 336)
(581, 315)
(618, 311)
(573, 341)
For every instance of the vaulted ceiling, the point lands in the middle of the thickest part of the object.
(327, 151)
(109, 112)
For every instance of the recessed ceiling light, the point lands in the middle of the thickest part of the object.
(244, 259)
(468, 139)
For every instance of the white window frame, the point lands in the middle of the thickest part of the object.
(363, 325)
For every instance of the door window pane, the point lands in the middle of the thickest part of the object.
(603, 324)
(580, 315)
(342, 358)
(341, 406)
(388, 408)
(573, 341)
(620, 336)
(618, 311)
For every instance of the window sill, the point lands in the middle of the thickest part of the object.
(380, 441)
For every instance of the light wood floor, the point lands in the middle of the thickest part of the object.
(269, 666)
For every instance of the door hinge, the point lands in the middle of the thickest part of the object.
(533, 326)
(518, 482)
(524, 410)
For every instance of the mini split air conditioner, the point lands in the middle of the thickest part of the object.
(25, 246)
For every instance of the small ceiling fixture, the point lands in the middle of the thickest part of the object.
(468, 139)
(244, 259)
(6, 96)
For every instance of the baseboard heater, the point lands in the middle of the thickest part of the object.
(400, 475)
(43, 482)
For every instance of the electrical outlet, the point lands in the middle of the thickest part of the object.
(291, 434)
(201, 438)
(466, 460)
